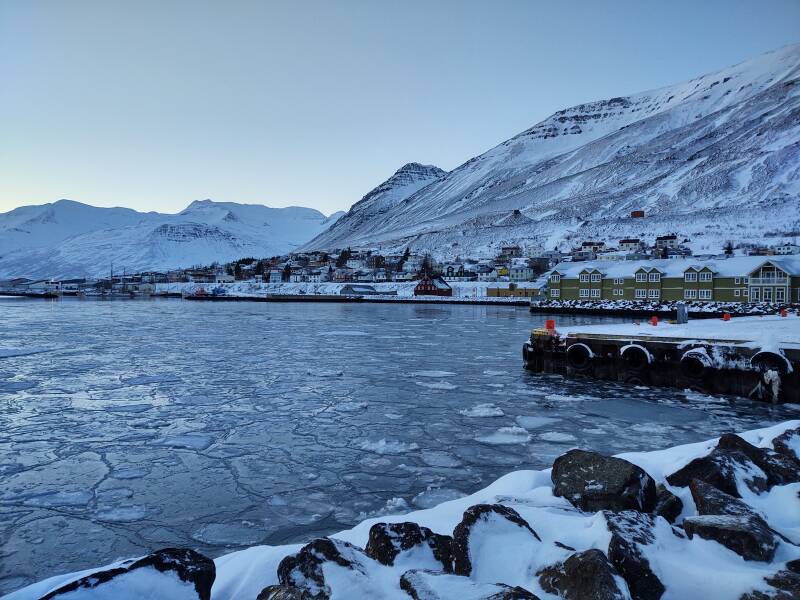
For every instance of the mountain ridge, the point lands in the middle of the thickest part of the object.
(586, 166)
(67, 238)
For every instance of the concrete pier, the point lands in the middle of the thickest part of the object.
(753, 357)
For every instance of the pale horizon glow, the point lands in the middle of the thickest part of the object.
(151, 105)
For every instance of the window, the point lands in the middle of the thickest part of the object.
(705, 276)
(555, 293)
(654, 277)
(705, 294)
(641, 277)
(745, 293)
(780, 294)
(619, 281)
(737, 293)
(618, 292)
(690, 294)
(641, 293)
(756, 295)
(690, 276)
(584, 277)
(595, 293)
(745, 280)
(583, 292)
(737, 280)
(654, 293)
(555, 278)
(595, 276)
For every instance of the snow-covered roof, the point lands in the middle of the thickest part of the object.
(735, 266)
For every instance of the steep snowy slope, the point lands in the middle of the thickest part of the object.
(713, 158)
(364, 216)
(85, 241)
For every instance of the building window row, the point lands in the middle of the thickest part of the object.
(555, 293)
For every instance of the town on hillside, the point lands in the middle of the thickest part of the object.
(631, 269)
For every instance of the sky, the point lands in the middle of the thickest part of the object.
(153, 104)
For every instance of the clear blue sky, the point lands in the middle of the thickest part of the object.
(152, 103)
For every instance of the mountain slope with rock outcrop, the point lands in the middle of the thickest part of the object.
(714, 158)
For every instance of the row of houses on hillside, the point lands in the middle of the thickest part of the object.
(734, 279)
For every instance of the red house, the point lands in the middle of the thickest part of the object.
(437, 286)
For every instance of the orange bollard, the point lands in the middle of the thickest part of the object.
(654, 320)
(726, 316)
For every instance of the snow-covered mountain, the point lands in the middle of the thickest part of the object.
(714, 158)
(68, 238)
(364, 217)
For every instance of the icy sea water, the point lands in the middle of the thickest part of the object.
(127, 426)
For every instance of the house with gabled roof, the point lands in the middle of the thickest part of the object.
(734, 279)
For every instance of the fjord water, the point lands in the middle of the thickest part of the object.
(132, 425)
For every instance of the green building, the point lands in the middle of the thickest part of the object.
(734, 279)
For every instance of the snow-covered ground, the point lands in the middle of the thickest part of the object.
(769, 330)
(649, 556)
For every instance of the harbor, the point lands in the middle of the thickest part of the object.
(751, 357)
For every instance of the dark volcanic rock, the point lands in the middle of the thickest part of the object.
(428, 585)
(785, 585)
(473, 515)
(785, 443)
(747, 536)
(304, 569)
(711, 501)
(668, 505)
(779, 468)
(387, 540)
(732, 453)
(283, 592)
(593, 482)
(186, 565)
(630, 531)
(583, 576)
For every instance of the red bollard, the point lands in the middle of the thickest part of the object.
(550, 326)
(784, 312)
(726, 316)
(654, 320)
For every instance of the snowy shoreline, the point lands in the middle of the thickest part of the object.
(682, 534)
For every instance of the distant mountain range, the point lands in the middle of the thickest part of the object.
(715, 158)
(70, 239)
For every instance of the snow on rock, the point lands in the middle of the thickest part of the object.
(517, 539)
(483, 410)
(592, 482)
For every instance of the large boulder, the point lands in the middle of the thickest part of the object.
(429, 585)
(493, 543)
(779, 468)
(388, 541)
(584, 576)
(711, 501)
(788, 444)
(747, 536)
(631, 531)
(304, 570)
(668, 505)
(177, 574)
(783, 585)
(734, 457)
(593, 482)
(283, 592)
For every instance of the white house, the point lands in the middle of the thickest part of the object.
(786, 249)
